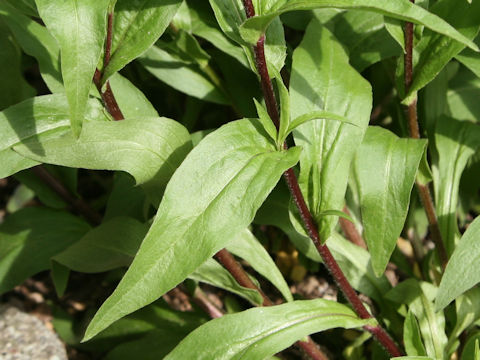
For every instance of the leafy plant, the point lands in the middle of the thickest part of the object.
(369, 111)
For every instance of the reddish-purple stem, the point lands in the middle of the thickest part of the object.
(107, 96)
(414, 130)
(377, 331)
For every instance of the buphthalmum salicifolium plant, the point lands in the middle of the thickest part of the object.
(367, 109)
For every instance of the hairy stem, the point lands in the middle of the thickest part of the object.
(414, 131)
(107, 96)
(377, 331)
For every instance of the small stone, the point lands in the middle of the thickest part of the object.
(24, 337)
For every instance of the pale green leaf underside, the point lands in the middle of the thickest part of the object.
(204, 206)
(323, 84)
(461, 273)
(137, 25)
(261, 332)
(80, 28)
(252, 29)
(37, 118)
(385, 168)
(246, 246)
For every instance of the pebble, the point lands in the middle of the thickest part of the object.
(25, 337)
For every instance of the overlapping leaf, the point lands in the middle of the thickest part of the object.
(252, 29)
(204, 206)
(150, 149)
(461, 273)
(35, 118)
(322, 79)
(456, 142)
(80, 28)
(262, 332)
(27, 242)
(385, 168)
(137, 25)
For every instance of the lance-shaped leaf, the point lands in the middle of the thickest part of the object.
(436, 50)
(80, 29)
(30, 237)
(471, 60)
(461, 273)
(230, 14)
(249, 248)
(150, 149)
(261, 332)
(385, 167)
(181, 75)
(455, 141)
(111, 245)
(211, 198)
(13, 87)
(419, 298)
(137, 25)
(36, 41)
(322, 79)
(252, 29)
(212, 273)
(35, 118)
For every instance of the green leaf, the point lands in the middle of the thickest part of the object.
(471, 60)
(181, 75)
(111, 245)
(27, 7)
(322, 80)
(30, 237)
(21, 196)
(205, 205)
(419, 298)
(230, 15)
(60, 275)
(284, 110)
(150, 149)
(137, 25)
(363, 34)
(412, 337)
(249, 248)
(412, 358)
(468, 312)
(13, 87)
(37, 119)
(252, 29)
(203, 24)
(456, 142)
(212, 273)
(262, 332)
(36, 41)
(80, 29)
(463, 94)
(130, 99)
(317, 115)
(460, 275)
(471, 351)
(437, 50)
(354, 261)
(385, 168)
